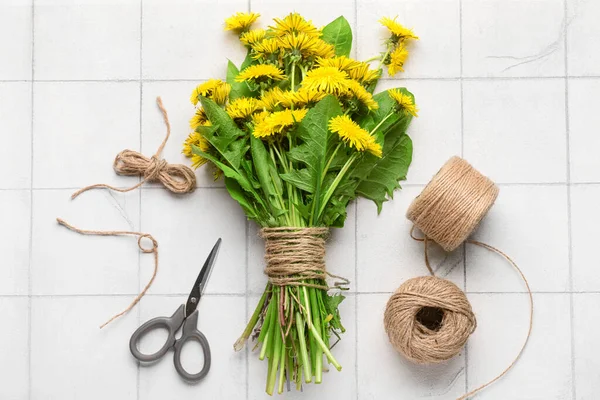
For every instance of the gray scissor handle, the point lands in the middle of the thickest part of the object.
(191, 332)
(171, 324)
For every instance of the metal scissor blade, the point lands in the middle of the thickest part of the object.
(198, 289)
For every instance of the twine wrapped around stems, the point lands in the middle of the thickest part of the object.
(447, 211)
(295, 255)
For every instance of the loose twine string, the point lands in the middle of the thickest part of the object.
(177, 178)
(295, 255)
(140, 236)
(447, 211)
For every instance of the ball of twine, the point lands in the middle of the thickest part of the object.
(429, 319)
(453, 203)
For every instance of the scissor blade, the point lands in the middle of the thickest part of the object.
(198, 289)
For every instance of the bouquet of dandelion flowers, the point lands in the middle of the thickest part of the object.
(296, 133)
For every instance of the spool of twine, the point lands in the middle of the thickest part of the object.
(295, 256)
(177, 178)
(429, 319)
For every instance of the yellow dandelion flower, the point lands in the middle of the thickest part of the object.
(397, 59)
(306, 45)
(362, 95)
(221, 93)
(240, 22)
(326, 79)
(374, 148)
(205, 89)
(272, 98)
(278, 122)
(259, 117)
(363, 73)
(342, 63)
(324, 49)
(260, 72)
(242, 107)
(397, 30)
(404, 101)
(294, 23)
(305, 97)
(199, 119)
(195, 139)
(265, 48)
(351, 133)
(253, 36)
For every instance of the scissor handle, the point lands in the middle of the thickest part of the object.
(191, 332)
(171, 324)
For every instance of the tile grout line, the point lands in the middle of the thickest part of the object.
(29, 280)
(569, 216)
(462, 154)
(139, 309)
(356, 297)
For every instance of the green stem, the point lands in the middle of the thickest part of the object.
(318, 353)
(387, 53)
(282, 358)
(330, 161)
(239, 344)
(335, 183)
(373, 59)
(274, 362)
(381, 123)
(293, 78)
(303, 352)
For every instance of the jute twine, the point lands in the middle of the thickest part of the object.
(447, 211)
(177, 178)
(295, 255)
(140, 236)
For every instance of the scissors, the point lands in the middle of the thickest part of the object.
(186, 316)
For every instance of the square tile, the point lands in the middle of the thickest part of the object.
(384, 373)
(72, 359)
(513, 38)
(14, 363)
(14, 241)
(387, 255)
(583, 33)
(184, 39)
(586, 317)
(176, 99)
(502, 323)
(584, 231)
(186, 228)
(530, 224)
(97, 121)
(312, 10)
(436, 133)
(15, 23)
(514, 130)
(65, 262)
(436, 22)
(227, 376)
(339, 257)
(15, 154)
(583, 119)
(335, 384)
(87, 39)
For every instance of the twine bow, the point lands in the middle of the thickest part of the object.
(177, 178)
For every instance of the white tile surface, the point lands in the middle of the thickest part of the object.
(65, 262)
(585, 324)
(340, 384)
(511, 125)
(399, 378)
(71, 358)
(227, 376)
(544, 369)
(180, 36)
(14, 241)
(87, 39)
(582, 35)
(186, 228)
(514, 130)
(583, 119)
(14, 362)
(15, 114)
(97, 121)
(543, 257)
(584, 214)
(436, 22)
(175, 97)
(340, 256)
(15, 23)
(513, 38)
(388, 256)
